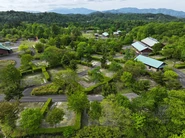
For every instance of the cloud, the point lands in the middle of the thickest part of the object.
(45, 5)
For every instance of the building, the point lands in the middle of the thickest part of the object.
(149, 41)
(117, 32)
(105, 34)
(152, 64)
(5, 50)
(141, 48)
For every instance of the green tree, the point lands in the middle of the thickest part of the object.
(127, 79)
(30, 119)
(95, 110)
(114, 66)
(52, 55)
(175, 111)
(67, 80)
(114, 114)
(8, 113)
(25, 60)
(23, 48)
(78, 101)
(55, 116)
(136, 68)
(39, 47)
(10, 79)
(171, 80)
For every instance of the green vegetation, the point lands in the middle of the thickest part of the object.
(108, 70)
(48, 89)
(46, 106)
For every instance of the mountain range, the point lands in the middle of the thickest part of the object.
(171, 12)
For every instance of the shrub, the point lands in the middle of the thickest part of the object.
(45, 107)
(45, 73)
(179, 66)
(77, 124)
(46, 90)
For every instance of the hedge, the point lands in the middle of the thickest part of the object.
(85, 63)
(48, 89)
(120, 60)
(52, 131)
(45, 73)
(45, 107)
(90, 89)
(77, 124)
(161, 59)
(96, 58)
(179, 66)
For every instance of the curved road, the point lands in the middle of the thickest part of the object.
(13, 56)
(181, 77)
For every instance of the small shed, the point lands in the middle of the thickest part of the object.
(152, 64)
(105, 34)
(5, 50)
(7, 43)
(141, 48)
(149, 41)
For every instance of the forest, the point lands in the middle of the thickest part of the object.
(59, 55)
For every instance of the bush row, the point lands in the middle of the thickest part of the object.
(161, 59)
(45, 73)
(66, 131)
(179, 66)
(46, 106)
(90, 89)
(48, 89)
(85, 63)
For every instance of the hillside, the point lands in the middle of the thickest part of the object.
(13, 17)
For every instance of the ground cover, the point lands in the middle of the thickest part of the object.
(88, 35)
(33, 80)
(4, 63)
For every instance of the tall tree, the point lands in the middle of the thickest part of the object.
(10, 78)
(78, 102)
(30, 119)
(55, 116)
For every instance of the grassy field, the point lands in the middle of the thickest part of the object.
(88, 35)
(4, 63)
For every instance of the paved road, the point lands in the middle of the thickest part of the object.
(13, 56)
(181, 77)
(55, 98)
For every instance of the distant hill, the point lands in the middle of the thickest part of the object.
(180, 14)
(153, 11)
(72, 11)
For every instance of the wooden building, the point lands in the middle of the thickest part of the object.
(141, 48)
(152, 64)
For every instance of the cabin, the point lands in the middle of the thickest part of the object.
(149, 41)
(5, 50)
(105, 34)
(141, 48)
(117, 32)
(151, 64)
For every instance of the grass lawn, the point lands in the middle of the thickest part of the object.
(88, 35)
(81, 68)
(33, 79)
(54, 72)
(97, 56)
(69, 117)
(182, 70)
(107, 73)
(4, 63)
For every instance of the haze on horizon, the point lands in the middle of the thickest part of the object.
(100, 5)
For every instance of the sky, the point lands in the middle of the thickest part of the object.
(100, 5)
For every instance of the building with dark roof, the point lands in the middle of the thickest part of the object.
(4, 50)
(141, 48)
